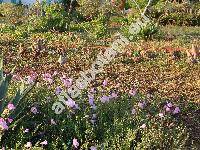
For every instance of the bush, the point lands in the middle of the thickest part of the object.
(54, 18)
(146, 32)
(176, 14)
(96, 28)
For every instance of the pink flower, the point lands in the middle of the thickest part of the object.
(93, 148)
(167, 109)
(44, 142)
(66, 82)
(31, 79)
(10, 120)
(58, 90)
(113, 95)
(75, 143)
(11, 106)
(71, 103)
(141, 105)
(28, 145)
(176, 110)
(16, 78)
(143, 126)
(104, 99)
(92, 90)
(133, 111)
(3, 124)
(132, 92)
(169, 105)
(105, 83)
(47, 77)
(34, 110)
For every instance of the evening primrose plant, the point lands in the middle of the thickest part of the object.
(8, 108)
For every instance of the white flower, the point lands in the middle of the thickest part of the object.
(143, 126)
(133, 111)
(28, 145)
(161, 115)
(44, 142)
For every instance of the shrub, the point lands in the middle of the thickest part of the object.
(54, 18)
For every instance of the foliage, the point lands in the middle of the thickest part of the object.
(96, 28)
(176, 14)
(142, 99)
(146, 31)
(54, 18)
(9, 110)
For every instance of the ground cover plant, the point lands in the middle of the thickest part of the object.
(147, 97)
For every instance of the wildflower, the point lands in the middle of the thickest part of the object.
(53, 122)
(28, 145)
(31, 79)
(161, 115)
(34, 110)
(176, 110)
(92, 90)
(71, 103)
(132, 92)
(113, 95)
(58, 90)
(16, 78)
(169, 105)
(91, 101)
(10, 120)
(133, 111)
(143, 126)
(47, 77)
(26, 130)
(167, 109)
(66, 82)
(75, 143)
(44, 142)
(3, 124)
(11, 106)
(93, 148)
(105, 83)
(104, 99)
(141, 105)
